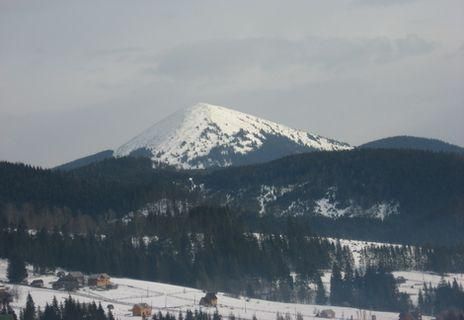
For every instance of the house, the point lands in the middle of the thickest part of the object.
(414, 315)
(209, 300)
(141, 310)
(79, 276)
(327, 313)
(38, 283)
(400, 280)
(68, 283)
(101, 280)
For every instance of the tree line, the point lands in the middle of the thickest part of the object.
(210, 249)
(427, 258)
(446, 296)
(373, 289)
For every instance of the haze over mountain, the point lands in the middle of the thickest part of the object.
(205, 135)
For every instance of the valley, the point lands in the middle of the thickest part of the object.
(175, 299)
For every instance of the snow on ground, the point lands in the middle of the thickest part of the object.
(356, 247)
(270, 194)
(172, 298)
(165, 297)
(329, 207)
(415, 281)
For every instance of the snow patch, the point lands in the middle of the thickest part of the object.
(329, 207)
(171, 298)
(269, 194)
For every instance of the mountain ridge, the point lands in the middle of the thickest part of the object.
(413, 143)
(96, 157)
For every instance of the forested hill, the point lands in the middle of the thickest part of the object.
(422, 182)
(413, 143)
(119, 185)
(397, 195)
(391, 195)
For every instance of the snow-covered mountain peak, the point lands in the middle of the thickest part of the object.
(207, 135)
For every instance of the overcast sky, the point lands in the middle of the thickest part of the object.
(77, 77)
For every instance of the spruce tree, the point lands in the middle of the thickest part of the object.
(29, 311)
(336, 286)
(321, 297)
(420, 300)
(16, 271)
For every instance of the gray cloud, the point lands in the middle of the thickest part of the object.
(228, 56)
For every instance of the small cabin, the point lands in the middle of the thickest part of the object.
(415, 315)
(209, 300)
(141, 310)
(101, 280)
(79, 276)
(38, 283)
(68, 283)
(327, 313)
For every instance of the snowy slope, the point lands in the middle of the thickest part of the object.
(170, 298)
(414, 280)
(356, 247)
(206, 135)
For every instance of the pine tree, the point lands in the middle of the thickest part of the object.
(29, 311)
(420, 300)
(16, 271)
(189, 315)
(100, 313)
(336, 286)
(321, 297)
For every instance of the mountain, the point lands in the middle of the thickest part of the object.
(206, 136)
(413, 143)
(99, 156)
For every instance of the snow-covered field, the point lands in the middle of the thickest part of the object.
(415, 281)
(172, 298)
(165, 297)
